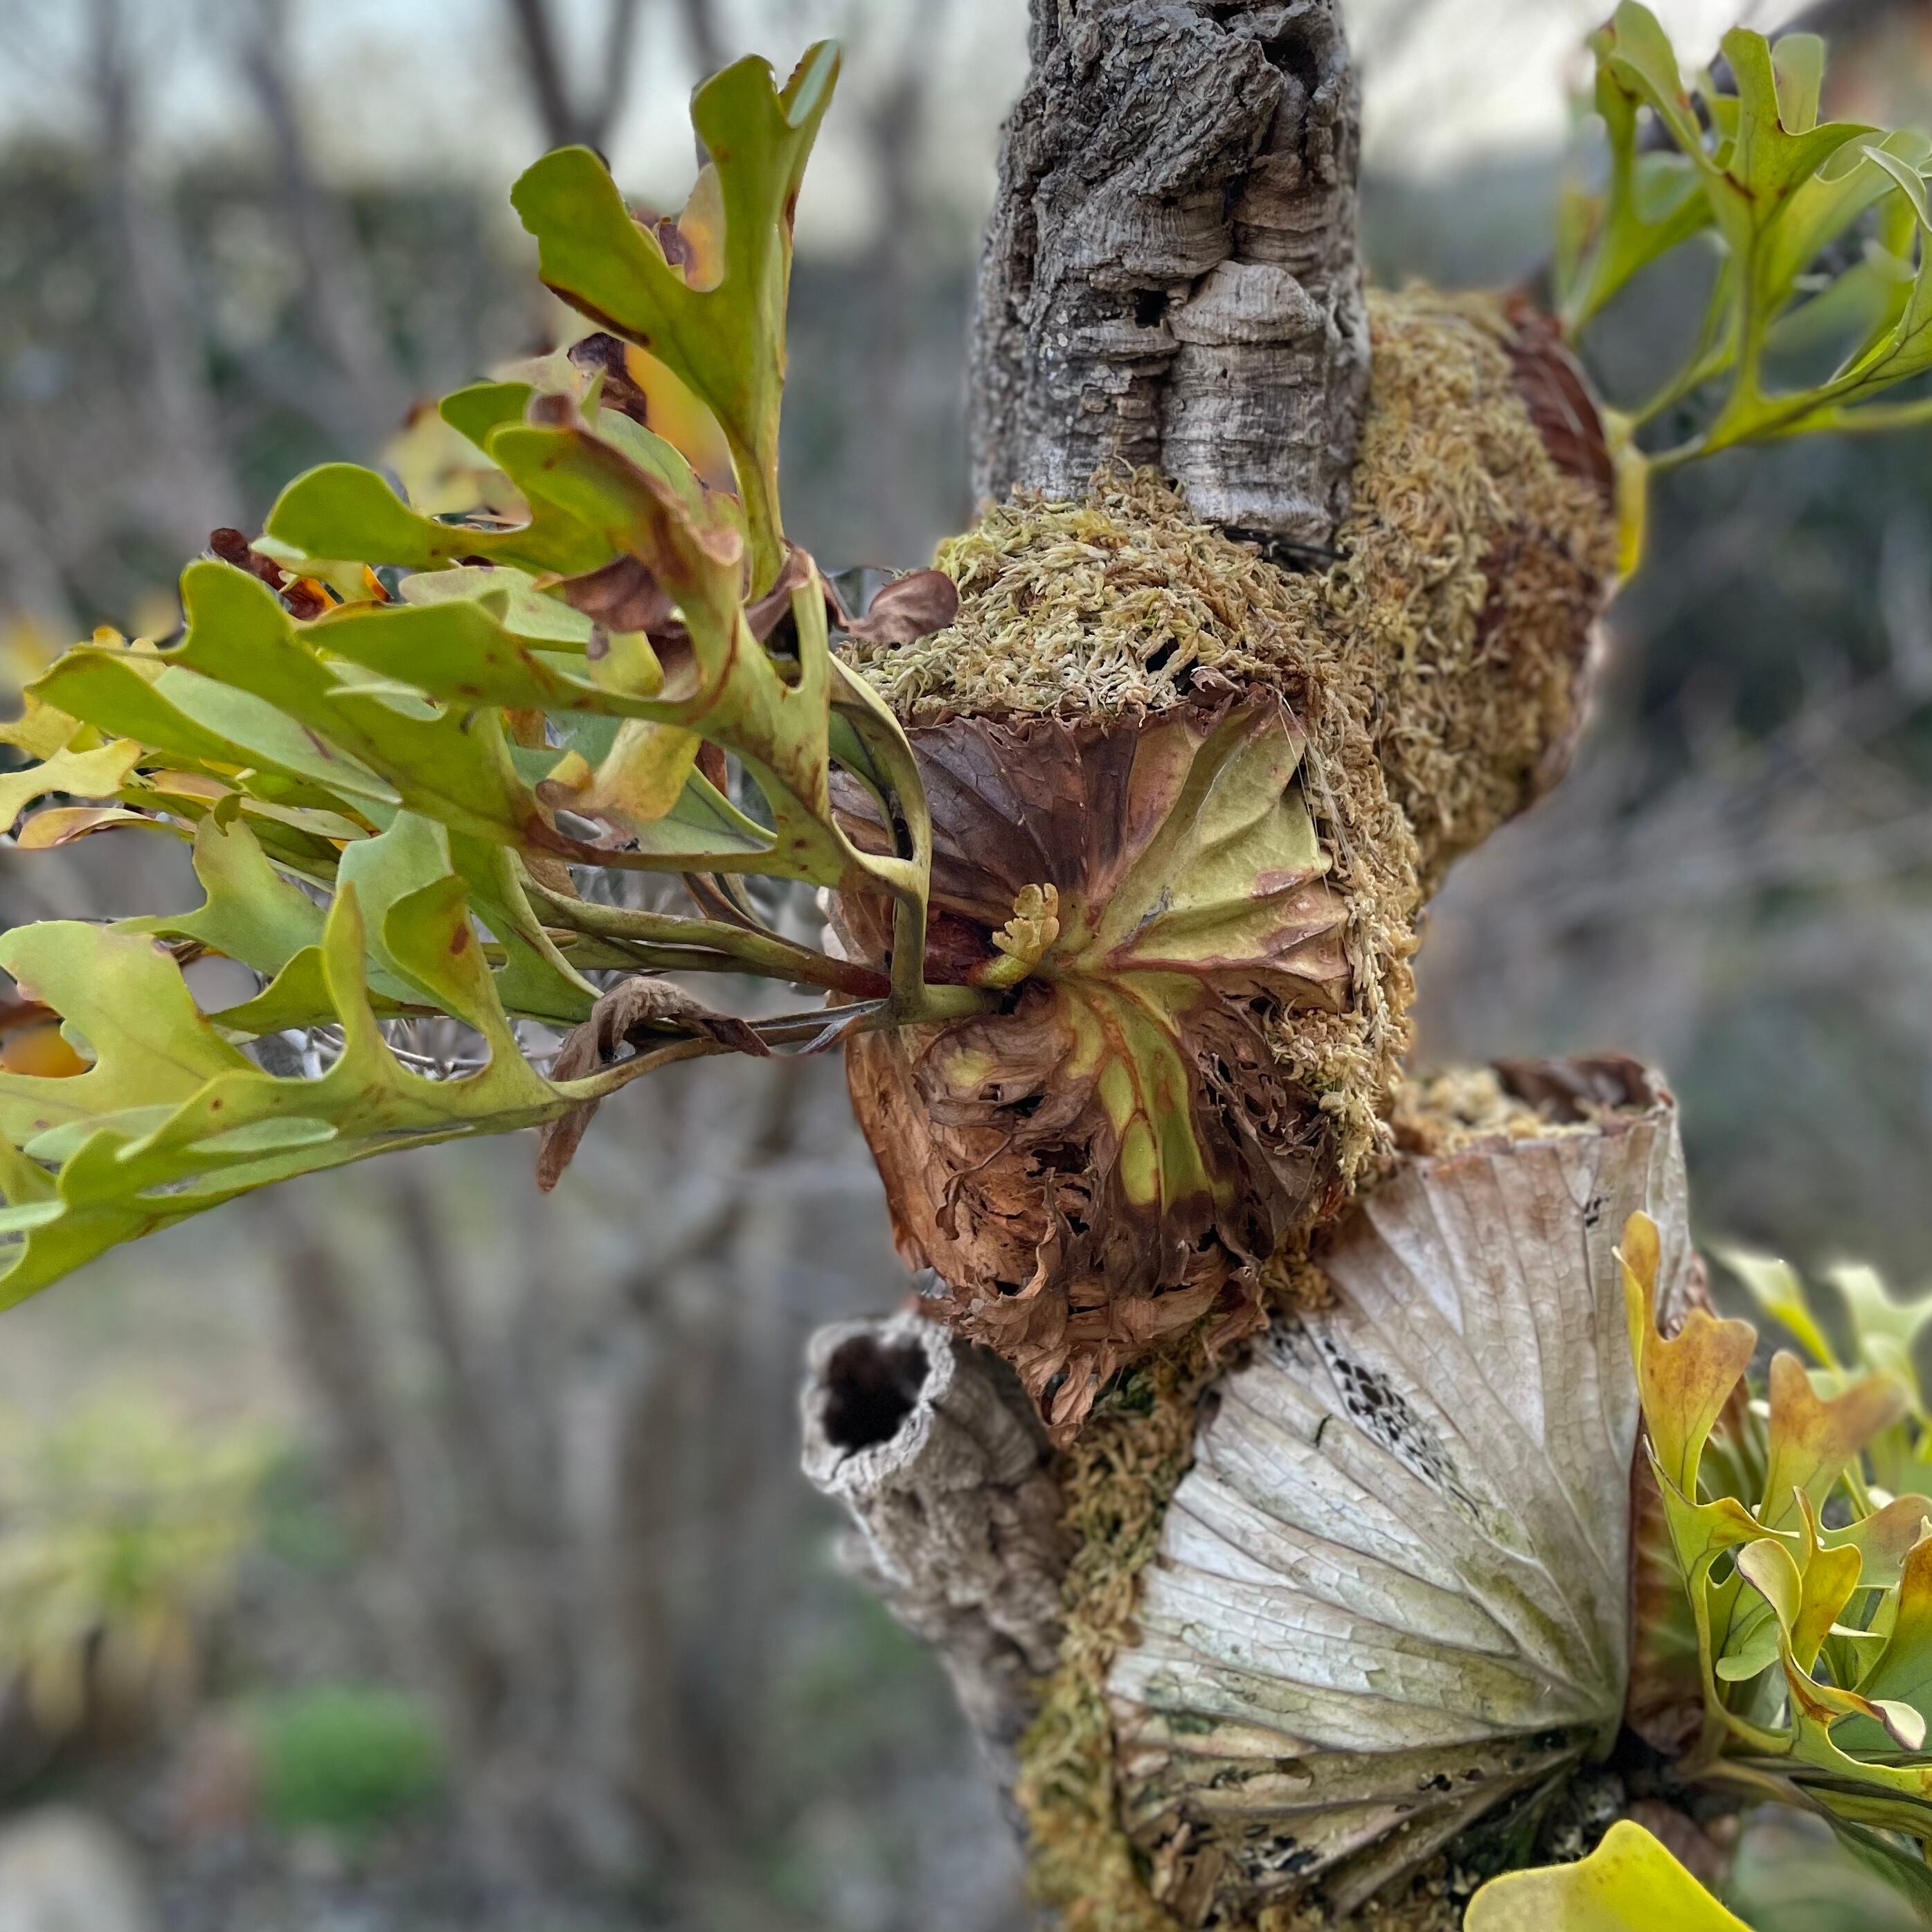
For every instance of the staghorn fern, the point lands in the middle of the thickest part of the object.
(401, 734)
(1752, 171)
(1802, 1570)
(390, 734)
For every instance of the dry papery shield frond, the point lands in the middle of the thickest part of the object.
(1187, 803)
(1388, 1607)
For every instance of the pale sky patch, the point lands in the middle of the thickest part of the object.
(427, 89)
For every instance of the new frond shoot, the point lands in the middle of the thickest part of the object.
(407, 738)
(1821, 301)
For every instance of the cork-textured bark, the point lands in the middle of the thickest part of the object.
(932, 1445)
(1170, 275)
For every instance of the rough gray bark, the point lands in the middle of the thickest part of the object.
(932, 1445)
(1170, 274)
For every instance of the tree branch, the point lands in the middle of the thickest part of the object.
(932, 1446)
(341, 306)
(197, 490)
(1170, 276)
(701, 31)
(543, 62)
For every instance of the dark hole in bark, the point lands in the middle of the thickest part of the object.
(1150, 305)
(1295, 55)
(1157, 657)
(870, 1389)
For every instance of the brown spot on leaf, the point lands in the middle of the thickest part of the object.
(603, 354)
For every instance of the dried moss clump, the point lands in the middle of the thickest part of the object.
(1440, 1113)
(1464, 583)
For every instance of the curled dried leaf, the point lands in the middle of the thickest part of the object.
(625, 595)
(901, 612)
(636, 1012)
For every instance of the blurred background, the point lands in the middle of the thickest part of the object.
(407, 1552)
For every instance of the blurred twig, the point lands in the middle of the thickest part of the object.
(369, 395)
(192, 489)
(567, 114)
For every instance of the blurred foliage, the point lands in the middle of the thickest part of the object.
(1803, 1560)
(347, 1758)
(1804, 1554)
(1791, 1875)
(72, 427)
(121, 1525)
(1733, 884)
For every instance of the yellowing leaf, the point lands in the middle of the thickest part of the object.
(96, 774)
(676, 415)
(62, 824)
(1813, 1438)
(722, 337)
(1685, 1381)
(1629, 1883)
(40, 730)
(642, 776)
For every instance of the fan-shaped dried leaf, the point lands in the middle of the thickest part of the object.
(1393, 1592)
